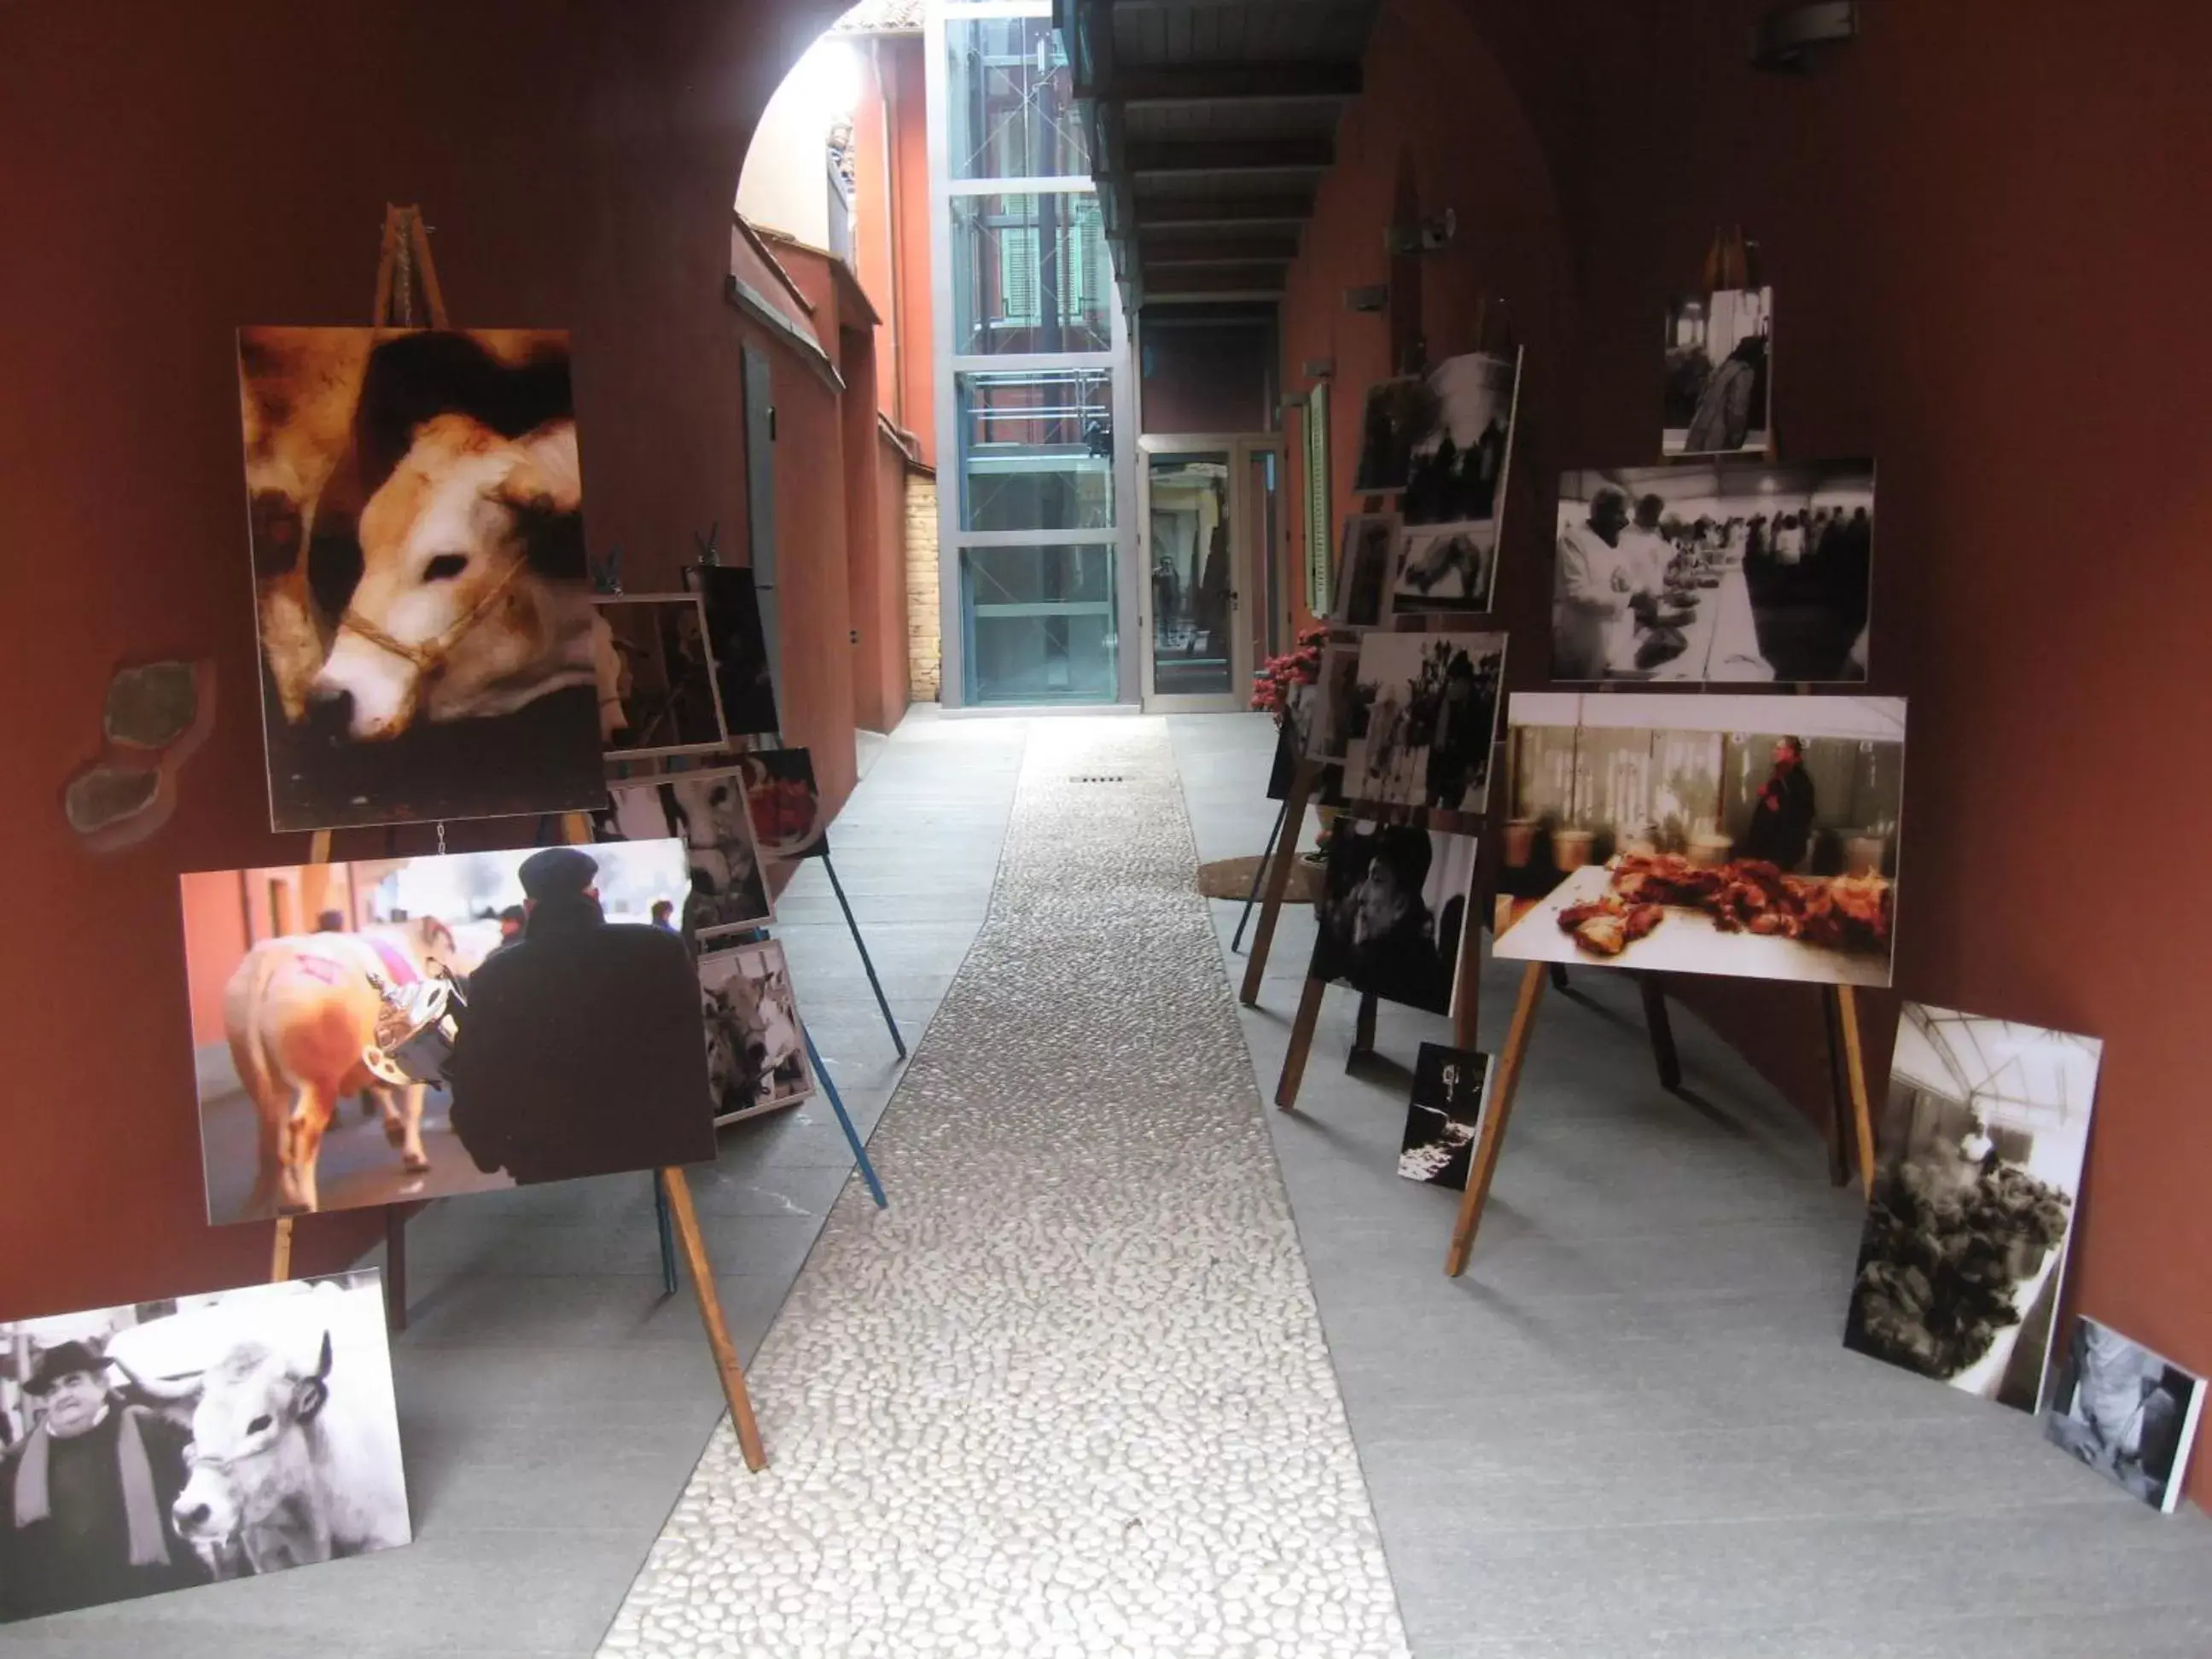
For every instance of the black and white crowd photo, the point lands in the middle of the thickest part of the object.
(163, 1444)
(1393, 901)
(755, 1047)
(1445, 1115)
(2129, 1414)
(1456, 465)
(1426, 720)
(1736, 571)
(1719, 372)
(707, 809)
(1978, 1156)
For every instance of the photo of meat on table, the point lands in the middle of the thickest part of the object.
(1746, 836)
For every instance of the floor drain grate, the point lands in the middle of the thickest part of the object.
(1099, 777)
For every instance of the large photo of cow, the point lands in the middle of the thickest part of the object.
(708, 811)
(164, 1445)
(755, 1047)
(421, 593)
(397, 1029)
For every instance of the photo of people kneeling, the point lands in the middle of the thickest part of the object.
(395, 1029)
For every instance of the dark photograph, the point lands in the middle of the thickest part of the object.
(1978, 1150)
(395, 1029)
(1715, 573)
(2127, 1412)
(705, 810)
(424, 604)
(755, 1047)
(160, 1445)
(1395, 416)
(1445, 568)
(734, 633)
(1445, 1116)
(1430, 702)
(1363, 571)
(1457, 470)
(787, 818)
(656, 677)
(1334, 714)
(1393, 901)
(1718, 367)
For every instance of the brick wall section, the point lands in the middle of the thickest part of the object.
(924, 632)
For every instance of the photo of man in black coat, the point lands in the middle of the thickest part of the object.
(582, 1050)
(1781, 828)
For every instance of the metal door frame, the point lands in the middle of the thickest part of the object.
(1239, 447)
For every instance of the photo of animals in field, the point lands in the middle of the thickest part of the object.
(1978, 1150)
(422, 597)
(164, 1445)
(1718, 375)
(401, 1029)
(1426, 717)
(1747, 835)
(743, 674)
(656, 680)
(755, 1047)
(708, 811)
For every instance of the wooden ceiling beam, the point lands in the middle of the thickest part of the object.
(1300, 154)
(1153, 252)
(1170, 85)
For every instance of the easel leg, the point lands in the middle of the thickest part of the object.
(1847, 1014)
(280, 1251)
(844, 1120)
(678, 1190)
(1662, 1027)
(861, 944)
(1491, 1139)
(1362, 1029)
(395, 1268)
(1278, 879)
(1559, 976)
(1259, 871)
(666, 1227)
(1302, 1036)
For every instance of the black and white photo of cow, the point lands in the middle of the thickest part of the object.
(757, 1057)
(708, 811)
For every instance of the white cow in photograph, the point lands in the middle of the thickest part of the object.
(298, 1011)
(752, 1033)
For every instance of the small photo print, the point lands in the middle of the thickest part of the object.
(1457, 470)
(1978, 1150)
(708, 811)
(734, 633)
(397, 1029)
(1363, 571)
(1719, 385)
(755, 1046)
(1430, 702)
(787, 807)
(656, 677)
(191, 1439)
(2127, 1412)
(1445, 567)
(1393, 901)
(1450, 1087)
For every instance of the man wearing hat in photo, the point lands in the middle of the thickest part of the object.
(582, 1049)
(85, 1498)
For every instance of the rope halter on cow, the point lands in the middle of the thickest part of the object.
(426, 658)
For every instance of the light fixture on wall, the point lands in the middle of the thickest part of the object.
(1431, 235)
(1786, 39)
(1376, 296)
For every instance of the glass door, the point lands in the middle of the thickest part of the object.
(1207, 530)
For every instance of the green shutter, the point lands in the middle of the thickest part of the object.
(1319, 541)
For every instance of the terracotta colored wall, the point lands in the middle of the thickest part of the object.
(885, 633)
(913, 407)
(867, 559)
(1207, 377)
(1980, 223)
(189, 169)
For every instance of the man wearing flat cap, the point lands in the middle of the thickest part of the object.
(85, 1499)
(582, 1050)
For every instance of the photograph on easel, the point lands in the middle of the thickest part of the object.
(395, 1029)
(1362, 589)
(1334, 714)
(707, 810)
(1396, 413)
(1444, 1116)
(424, 605)
(755, 1047)
(1734, 571)
(1719, 373)
(1978, 1152)
(190, 1439)
(2127, 1412)
(1448, 567)
(743, 673)
(1394, 903)
(1457, 470)
(787, 806)
(656, 677)
(1747, 835)
(1430, 707)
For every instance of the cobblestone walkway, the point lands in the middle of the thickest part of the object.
(1068, 1395)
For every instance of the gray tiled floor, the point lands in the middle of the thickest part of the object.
(552, 1402)
(1632, 1428)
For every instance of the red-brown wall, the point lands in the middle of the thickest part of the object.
(176, 172)
(1982, 224)
(891, 161)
